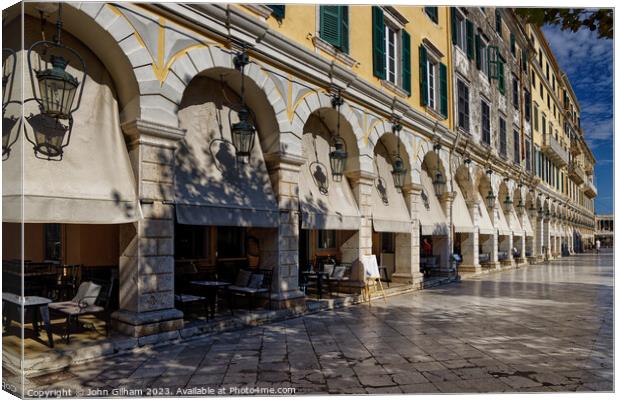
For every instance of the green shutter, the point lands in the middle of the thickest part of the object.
(524, 54)
(277, 10)
(378, 43)
(432, 13)
(513, 46)
(443, 89)
(423, 83)
(501, 83)
(330, 24)
(498, 22)
(478, 52)
(406, 62)
(453, 24)
(344, 28)
(470, 39)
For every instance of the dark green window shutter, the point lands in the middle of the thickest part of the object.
(478, 52)
(498, 22)
(344, 28)
(500, 81)
(406, 62)
(470, 39)
(432, 13)
(453, 24)
(443, 90)
(378, 43)
(330, 24)
(277, 10)
(524, 57)
(513, 46)
(423, 83)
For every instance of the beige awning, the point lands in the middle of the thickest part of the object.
(501, 224)
(213, 187)
(335, 209)
(485, 226)
(527, 225)
(93, 183)
(460, 213)
(430, 212)
(389, 211)
(515, 225)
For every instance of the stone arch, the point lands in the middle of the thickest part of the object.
(103, 31)
(382, 134)
(321, 102)
(464, 177)
(426, 154)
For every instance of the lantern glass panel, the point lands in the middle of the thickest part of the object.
(490, 199)
(399, 172)
(338, 157)
(243, 135)
(57, 88)
(439, 184)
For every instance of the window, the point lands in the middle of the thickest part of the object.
(334, 26)
(513, 45)
(547, 71)
(432, 13)
(544, 124)
(327, 239)
(535, 117)
(498, 22)
(431, 69)
(388, 240)
(191, 241)
(542, 90)
(391, 51)
(460, 34)
(515, 92)
(482, 57)
(516, 146)
(463, 105)
(533, 79)
(528, 155)
(502, 137)
(501, 80)
(540, 57)
(53, 242)
(527, 105)
(485, 113)
(553, 82)
(277, 10)
(230, 242)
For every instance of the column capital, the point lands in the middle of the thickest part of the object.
(360, 176)
(140, 131)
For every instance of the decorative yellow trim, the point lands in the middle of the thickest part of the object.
(297, 103)
(366, 137)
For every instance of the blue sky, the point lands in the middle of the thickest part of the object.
(588, 62)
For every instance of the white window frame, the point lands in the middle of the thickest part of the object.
(389, 27)
(484, 62)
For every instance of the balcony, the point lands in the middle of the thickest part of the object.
(590, 189)
(554, 150)
(576, 173)
(575, 148)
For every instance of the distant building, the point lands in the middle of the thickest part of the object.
(605, 229)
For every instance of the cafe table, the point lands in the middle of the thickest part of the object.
(211, 288)
(34, 303)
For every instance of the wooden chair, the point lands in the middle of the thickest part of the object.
(259, 283)
(184, 295)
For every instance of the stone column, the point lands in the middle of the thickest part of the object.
(146, 267)
(284, 175)
(539, 235)
(546, 242)
(469, 246)
(445, 251)
(491, 244)
(360, 243)
(408, 244)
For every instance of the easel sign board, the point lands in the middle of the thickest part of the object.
(371, 267)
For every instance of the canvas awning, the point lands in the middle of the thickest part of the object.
(527, 225)
(212, 187)
(335, 209)
(515, 224)
(460, 213)
(430, 212)
(485, 226)
(93, 183)
(501, 224)
(389, 211)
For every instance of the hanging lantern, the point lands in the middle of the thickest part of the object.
(338, 157)
(57, 92)
(243, 134)
(8, 121)
(398, 165)
(399, 172)
(490, 199)
(508, 202)
(439, 183)
(338, 148)
(520, 207)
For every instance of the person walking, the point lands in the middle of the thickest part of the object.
(598, 246)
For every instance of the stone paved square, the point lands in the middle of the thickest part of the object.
(541, 328)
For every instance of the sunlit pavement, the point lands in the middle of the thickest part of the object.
(539, 328)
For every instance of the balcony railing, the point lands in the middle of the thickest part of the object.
(575, 172)
(554, 150)
(590, 189)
